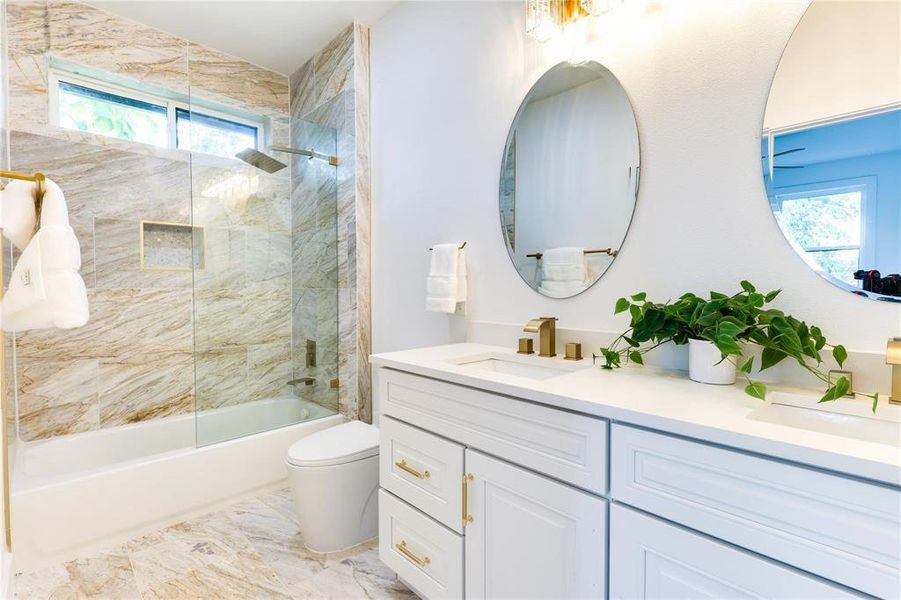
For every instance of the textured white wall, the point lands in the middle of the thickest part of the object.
(447, 79)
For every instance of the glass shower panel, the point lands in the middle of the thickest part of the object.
(265, 279)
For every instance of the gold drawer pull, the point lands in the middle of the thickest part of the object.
(402, 548)
(405, 467)
(467, 518)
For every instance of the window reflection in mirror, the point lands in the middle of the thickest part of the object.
(831, 144)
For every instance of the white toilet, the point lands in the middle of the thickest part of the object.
(334, 478)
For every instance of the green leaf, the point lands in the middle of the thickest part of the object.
(756, 300)
(875, 401)
(770, 357)
(635, 311)
(635, 357)
(729, 328)
(622, 305)
(639, 297)
(771, 295)
(837, 390)
(747, 366)
(727, 345)
(788, 337)
(748, 286)
(631, 342)
(839, 354)
(756, 390)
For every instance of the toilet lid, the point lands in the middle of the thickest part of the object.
(336, 445)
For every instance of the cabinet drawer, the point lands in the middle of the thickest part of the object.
(422, 552)
(839, 528)
(423, 469)
(570, 447)
(652, 559)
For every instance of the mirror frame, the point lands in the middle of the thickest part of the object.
(601, 69)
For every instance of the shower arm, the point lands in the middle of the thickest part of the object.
(332, 160)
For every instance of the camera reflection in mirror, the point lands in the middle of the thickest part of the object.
(831, 145)
(569, 179)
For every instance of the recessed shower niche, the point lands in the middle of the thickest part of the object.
(172, 246)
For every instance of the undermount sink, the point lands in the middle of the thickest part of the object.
(850, 418)
(528, 367)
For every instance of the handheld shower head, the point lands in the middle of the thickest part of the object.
(257, 159)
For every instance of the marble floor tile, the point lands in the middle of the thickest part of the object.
(107, 575)
(251, 549)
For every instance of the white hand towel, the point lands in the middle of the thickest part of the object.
(564, 264)
(446, 283)
(46, 289)
(564, 272)
(17, 212)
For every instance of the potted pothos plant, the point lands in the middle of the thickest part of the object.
(724, 323)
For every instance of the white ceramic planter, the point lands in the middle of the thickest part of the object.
(704, 364)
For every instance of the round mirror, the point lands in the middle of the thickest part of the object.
(569, 179)
(831, 141)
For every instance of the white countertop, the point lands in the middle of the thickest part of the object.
(663, 400)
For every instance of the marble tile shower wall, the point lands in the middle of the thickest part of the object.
(332, 89)
(135, 360)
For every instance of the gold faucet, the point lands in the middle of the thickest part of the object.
(893, 357)
(546, 329)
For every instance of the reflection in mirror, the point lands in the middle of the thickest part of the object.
(569, 179)
(831, 144)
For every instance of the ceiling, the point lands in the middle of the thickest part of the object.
(280, 35)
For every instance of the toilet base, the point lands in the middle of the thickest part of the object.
(337, 505)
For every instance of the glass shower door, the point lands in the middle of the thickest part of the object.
(265, 276)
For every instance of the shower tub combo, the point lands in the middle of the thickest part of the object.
(86, 490)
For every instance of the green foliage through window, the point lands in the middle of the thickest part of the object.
(828, 228)
(89, 110)
(96, 111)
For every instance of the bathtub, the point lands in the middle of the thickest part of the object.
(80, 492)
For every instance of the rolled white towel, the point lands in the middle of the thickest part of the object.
(17, 212)
(45, 288)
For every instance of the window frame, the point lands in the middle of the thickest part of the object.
(867, 188)
(55, 77)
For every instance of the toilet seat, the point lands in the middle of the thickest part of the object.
(338, 445)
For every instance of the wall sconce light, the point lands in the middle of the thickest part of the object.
(547, 18)
(597, 7)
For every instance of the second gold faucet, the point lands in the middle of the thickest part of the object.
(546, 328)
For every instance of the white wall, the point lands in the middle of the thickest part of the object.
(575, 152)
(844, 57)
(447, 79)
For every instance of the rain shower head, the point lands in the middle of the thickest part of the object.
(257, 159)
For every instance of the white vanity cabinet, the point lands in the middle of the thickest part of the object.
(463, 471)
(485, 495)
(530, 536)
(652, 559)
